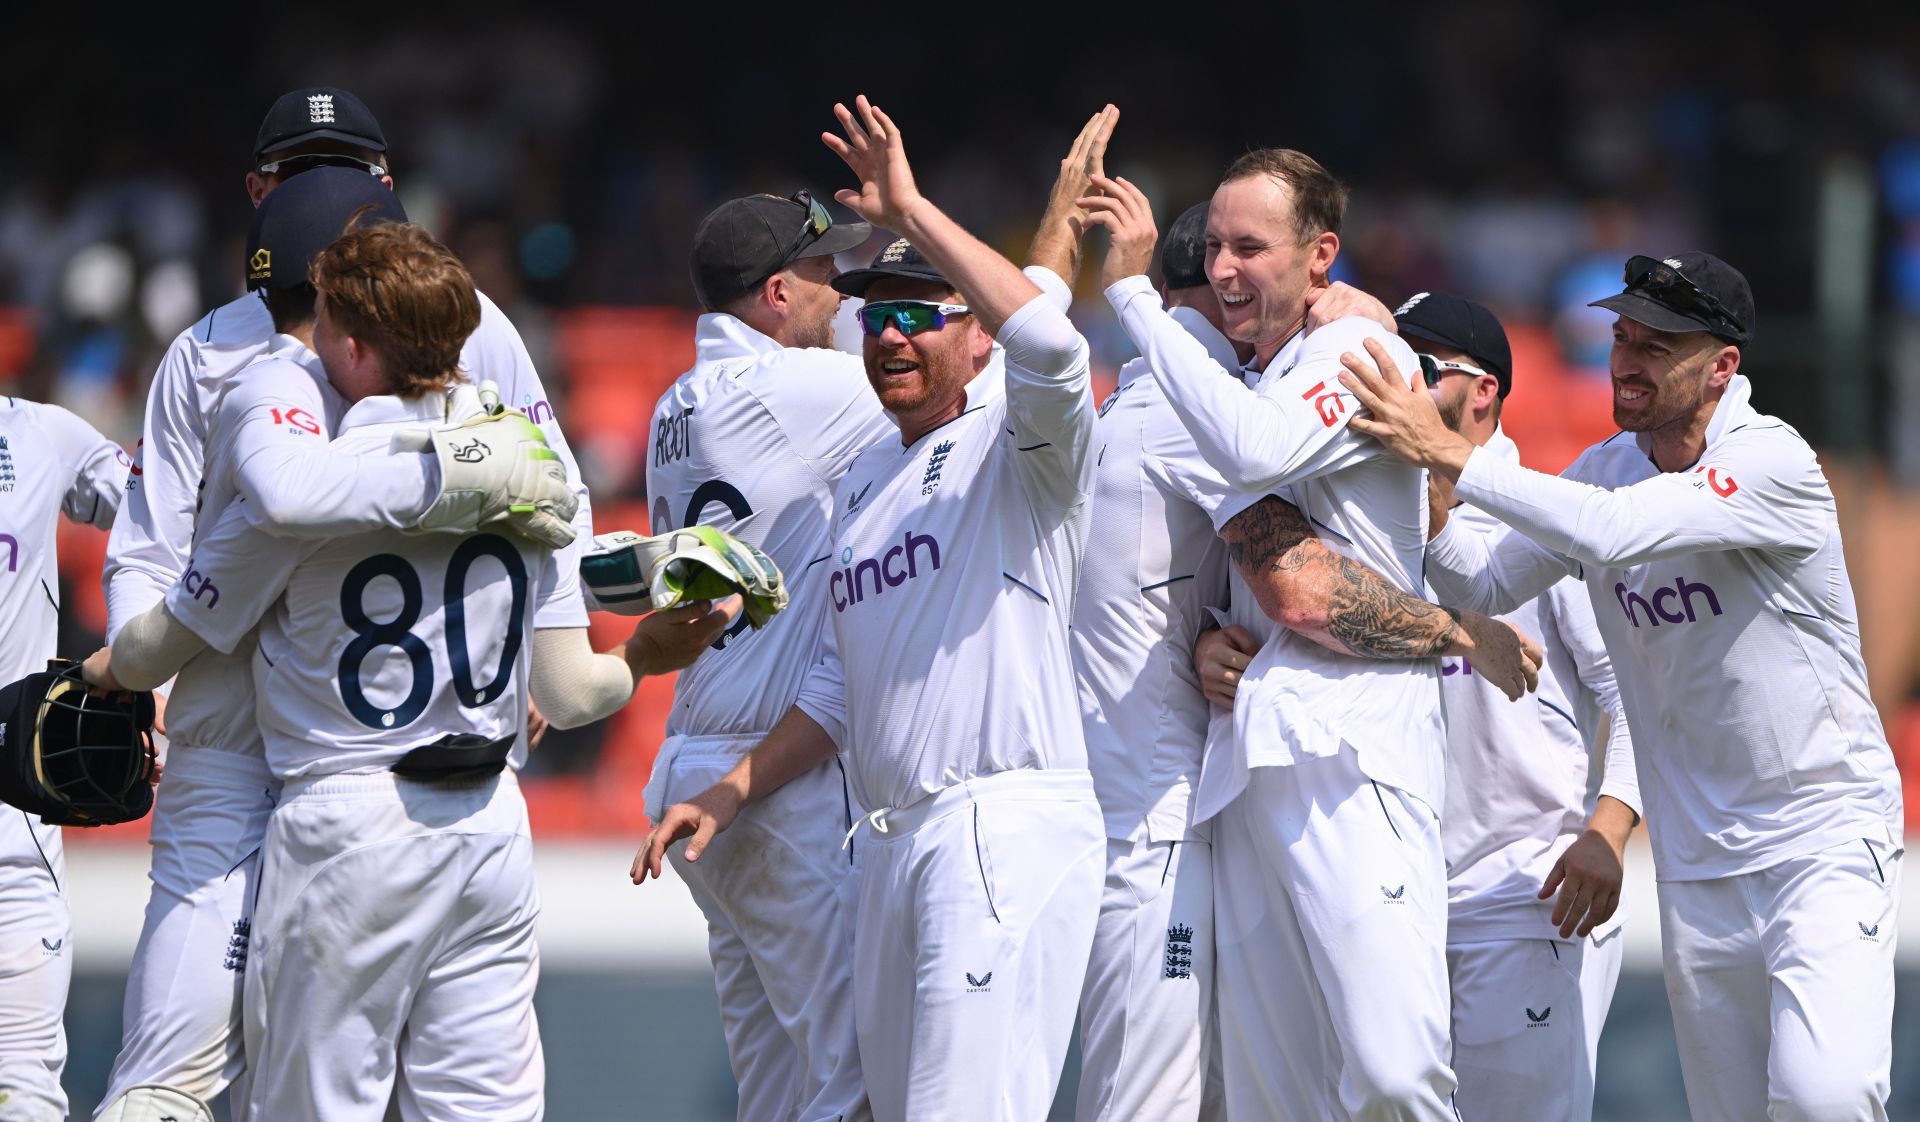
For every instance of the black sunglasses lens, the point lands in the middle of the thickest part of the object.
(1429, 370)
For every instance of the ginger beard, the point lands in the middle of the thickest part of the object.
(926, 374)
(1659, 377)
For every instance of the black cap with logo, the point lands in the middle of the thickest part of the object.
(899, 260)
(305, 215)
(1183, 256)
(1691, 291)
(317, 113)
(745, 241)
(1452, 321)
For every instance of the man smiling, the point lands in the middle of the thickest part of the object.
(1712, 556)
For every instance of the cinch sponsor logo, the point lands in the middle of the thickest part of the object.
(1678, 604)
(197, 585)
(539, 412)
(874, 575)
(13, 551)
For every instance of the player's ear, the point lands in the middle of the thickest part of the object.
(257, 187)
(1726, 363)
(1320, 254)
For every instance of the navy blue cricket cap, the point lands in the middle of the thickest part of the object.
(1691, 291)
(1183, 255)
(317, 113)
(305, 215)
(1459, 323)
(897, 260)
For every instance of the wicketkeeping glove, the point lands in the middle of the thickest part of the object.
(632, 574)
(496, 472)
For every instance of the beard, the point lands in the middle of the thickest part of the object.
(817, 333)
(1452, 411)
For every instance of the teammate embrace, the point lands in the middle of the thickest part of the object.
(1180, 715)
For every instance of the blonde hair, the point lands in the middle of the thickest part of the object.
(397, 290)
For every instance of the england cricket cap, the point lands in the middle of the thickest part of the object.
(898, 261)
(305, 215)
(1183, 257)
(1451, 321)
(1691, 291)
(318, 113)
(745, 241)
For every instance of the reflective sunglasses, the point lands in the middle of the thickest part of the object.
(910, 316)
(307, 161)
(1433, 369)
(1669, 287)
(818, 222)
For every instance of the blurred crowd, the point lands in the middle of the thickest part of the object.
(1493, 148)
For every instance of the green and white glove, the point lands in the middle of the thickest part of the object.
(496, 472)
(633, 574)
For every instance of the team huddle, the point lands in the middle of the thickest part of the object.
(1246, 717)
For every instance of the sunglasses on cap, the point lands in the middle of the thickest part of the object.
(1667, 286)
(910, 316)
(307, 161)
(817, 223)
(1433, 369)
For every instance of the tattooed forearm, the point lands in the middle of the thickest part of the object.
(1374, 619)
(1339, 603)
(1265, 538)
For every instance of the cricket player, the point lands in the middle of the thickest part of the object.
(395, 952)
(753, 439)
(182, 1004)
(1706, 535)
(1154, 568)
(51, 463)
(1330, 878)
(1531, 980)
(946, 675)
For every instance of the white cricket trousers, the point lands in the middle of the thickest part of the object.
(1527, 1015)
(1330, 923)
(180, 1024)
(1781, 982)
(977, 909)
(395, 938)
(1146, 1012)
(36, 965)
(778, 888)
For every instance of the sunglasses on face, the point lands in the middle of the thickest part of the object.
(1433, 369)
(294, 165)
(910, 316)
(1668, 286)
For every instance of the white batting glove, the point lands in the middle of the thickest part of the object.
(496, 472)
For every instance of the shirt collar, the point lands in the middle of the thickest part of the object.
(1734, 411)
(719, 336)
(990, 383)
(1502, 445)
(1283, 360)
(386, 409)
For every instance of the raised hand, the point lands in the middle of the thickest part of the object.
(1128, 216)
(1399, 416)
(873, 149)
(1056, 243)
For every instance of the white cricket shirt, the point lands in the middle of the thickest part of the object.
(752, 440)
(1723, 596)
(952, 575)
(1517, 771)
(51, 463)
(1153, 566)
(1289, 436)
(377, 643)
